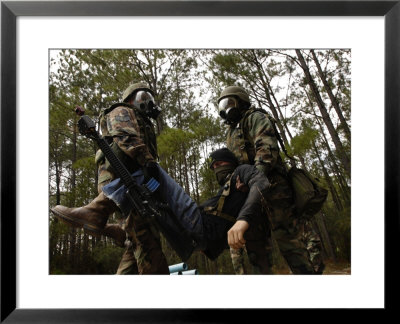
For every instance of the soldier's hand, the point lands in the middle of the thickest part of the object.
(151, 170)
(241, 186)
(236, 234)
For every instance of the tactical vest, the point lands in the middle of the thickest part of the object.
(146, 131)
(243, 146)
(227, 204)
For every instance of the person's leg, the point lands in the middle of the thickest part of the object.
(148, 251)
(116, 232)
(285, 226)
(312, 241)
(92, 217)
(128, 264)
(237, 256)
(259, 248)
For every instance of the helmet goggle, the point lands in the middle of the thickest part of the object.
(143, 99)
(225, 105)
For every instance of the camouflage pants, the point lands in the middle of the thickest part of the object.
(312, 241)
(128, 264)
(237, 256)
(145, 255)
(259, 250)
(136, 261)
(285, 226)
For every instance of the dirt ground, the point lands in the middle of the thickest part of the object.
(337, 268)
(331, 268)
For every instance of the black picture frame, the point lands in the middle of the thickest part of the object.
(10, 10)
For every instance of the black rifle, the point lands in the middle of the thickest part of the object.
(141, 196)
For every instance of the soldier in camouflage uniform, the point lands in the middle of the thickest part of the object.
(251, 137)
(128, 128)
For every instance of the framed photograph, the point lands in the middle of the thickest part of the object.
(32, 31)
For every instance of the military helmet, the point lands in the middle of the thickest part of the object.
(134, 88)
(235, 91)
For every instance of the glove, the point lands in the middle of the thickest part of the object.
(150, 170)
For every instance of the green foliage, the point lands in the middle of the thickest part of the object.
(339, 226)
(171, 140)
(208, 184)
(303, 142)
(107, 258)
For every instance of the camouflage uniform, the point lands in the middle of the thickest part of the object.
(237, 256)
(253, 141)
(313, 243)
(238, 260)
(133, 140)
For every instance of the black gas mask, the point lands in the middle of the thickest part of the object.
(229, 110)
(144, 100)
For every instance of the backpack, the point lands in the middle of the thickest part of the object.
(309, 196)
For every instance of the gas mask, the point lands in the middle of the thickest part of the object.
(222, 173)
(145, 102)
(229, 110)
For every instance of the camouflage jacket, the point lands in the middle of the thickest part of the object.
(253, 140)
(131, 136)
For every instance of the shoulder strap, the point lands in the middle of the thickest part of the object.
(217, 211)
(119, 104)
(279, 138)
(242, 142)
(277, 134)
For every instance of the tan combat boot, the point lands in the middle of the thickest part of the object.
(92, 217)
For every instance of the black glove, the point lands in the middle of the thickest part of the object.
(150, 170)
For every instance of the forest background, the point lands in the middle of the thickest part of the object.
(306, 91)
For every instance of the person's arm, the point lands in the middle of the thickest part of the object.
(261, 130)
(247, 177)
(123, 127)
(257, 183)
(236, 238)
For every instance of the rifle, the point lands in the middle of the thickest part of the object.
(141, 196)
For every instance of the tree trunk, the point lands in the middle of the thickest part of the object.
(185, 171)
(333, 99)
(268, 94)
(79, 249)
(326, 241)
(72, 250)
(196, 180)
(328, 180)
(325, 116)
(342, 182)
(58, 182)
(74, 156)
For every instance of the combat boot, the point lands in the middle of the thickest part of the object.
(92, 217)
(116, 232)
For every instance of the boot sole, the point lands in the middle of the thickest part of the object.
(89, 229)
